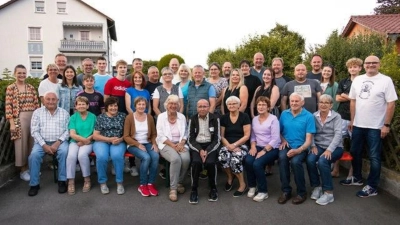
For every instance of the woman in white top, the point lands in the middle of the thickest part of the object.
(171, 140)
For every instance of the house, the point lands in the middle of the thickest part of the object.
(387, 25)
(33, 32)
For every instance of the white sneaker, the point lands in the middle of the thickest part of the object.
(316, 193)
(25, 176)
(112, 170)
(325, 199)
(126, 167)
(251, 192)
(260, 197)
(77, 168)
(134, 171)
(120, 189)
(104, 189)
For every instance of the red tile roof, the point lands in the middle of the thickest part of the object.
(384, 24)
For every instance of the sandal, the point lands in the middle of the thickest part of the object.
(71, 188)
(86, 186)
(173, 195)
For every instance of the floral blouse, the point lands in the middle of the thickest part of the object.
(220, 85)
(110, 126)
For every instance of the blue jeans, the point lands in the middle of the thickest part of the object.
(297, 168)
(373, 139)
(148, 162)
(255, 168)
(324, 167)
(36, 157)
(103, 152)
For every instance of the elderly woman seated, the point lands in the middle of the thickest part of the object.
(326, 149)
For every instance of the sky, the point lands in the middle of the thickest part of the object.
(193, 28)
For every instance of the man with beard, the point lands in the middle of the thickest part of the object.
(227, 69)
(316, 65)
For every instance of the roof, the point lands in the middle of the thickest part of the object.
(384, 24)
(110, 22)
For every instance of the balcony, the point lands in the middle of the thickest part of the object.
(82, 46)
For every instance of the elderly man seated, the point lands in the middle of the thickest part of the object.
(49, 128)
(204, 143)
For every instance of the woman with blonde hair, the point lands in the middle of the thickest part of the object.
(236, 88)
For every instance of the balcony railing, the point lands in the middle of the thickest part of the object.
(82, 46)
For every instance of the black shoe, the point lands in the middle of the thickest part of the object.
(239, 193)
(213, 195)
(62, 187)
(203, 175)
(34, 190)
(162, 174)
(228, 186)
(194, 197)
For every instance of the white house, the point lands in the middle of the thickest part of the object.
(33, 32)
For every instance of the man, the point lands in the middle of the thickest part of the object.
(200, 89)
(280, 78)
(258, 68)
(372, 107)
(174, 65)
(101, 77)
(204, 142)
(226, 70)
(297, 128)
(308, 88)
(251, 82)
(316, 65)
(87, 68)
(153, 83)
(137, 65)
(61, 61)
(49, 128)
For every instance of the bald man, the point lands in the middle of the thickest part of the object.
(258, 68)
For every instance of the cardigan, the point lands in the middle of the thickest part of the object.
(164, 129)
(130, 130)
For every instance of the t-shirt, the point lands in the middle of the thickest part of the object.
(83, 128)
(117, 88)
(344, 107)
(372, 95)
(234, 131)
(46, 85)
(315, 76)
(59, 76)
(96, 101)
(257, 74)
(134, 93)
(308, 89)
(100, 82)
(252, 83)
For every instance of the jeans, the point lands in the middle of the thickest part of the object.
(148, 162)
(297, 168)
(324, 167)
(105, 150)
(373, 139)
(36, 157)
(255, 168)
(80, 153)
(179, 164)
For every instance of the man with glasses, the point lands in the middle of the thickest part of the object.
(372, 107)
(87, 68)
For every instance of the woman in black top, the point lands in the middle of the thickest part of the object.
(236, 88)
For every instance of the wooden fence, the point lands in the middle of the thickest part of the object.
(6, 145)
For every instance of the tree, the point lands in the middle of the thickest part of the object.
(148, 64)
(6, 75)
(387, 7)
(164, 61)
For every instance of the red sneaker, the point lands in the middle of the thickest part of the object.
(152, 189)
(144, 190)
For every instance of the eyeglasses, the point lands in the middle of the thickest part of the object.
(324, 103)
(371, 63)
(233, 103)
(202, 106)
(167, 74)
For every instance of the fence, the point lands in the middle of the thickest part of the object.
(6, 145)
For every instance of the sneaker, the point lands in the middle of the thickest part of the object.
(62, 187)
(126, 167)
(112, 170)
(325, 199)
(34, 190)
(144, 190)
(104, 189)
(194, 197)
(251, 192)
(351, 181)
(120, 189)
(162, 174)
(25, 176)
(77, 168)
(134, 171)
(367, 191)
(203, 175)
(152, 189)
(316, 193)
(92, 162)
(260, 197)
(213, 195)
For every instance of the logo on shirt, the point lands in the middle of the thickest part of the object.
(366, 89)
(119, 88)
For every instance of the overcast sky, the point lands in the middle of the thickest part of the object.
(193, 28)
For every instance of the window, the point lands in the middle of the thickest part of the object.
(36, 63)
(39, 6)
(61, 7)
(35, 34)
(85, 35)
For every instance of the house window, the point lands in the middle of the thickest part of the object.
(35, 34)
(85, 35)
(61, 7)
(36, 63)
(39, 6)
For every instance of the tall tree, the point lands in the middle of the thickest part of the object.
(387, 7)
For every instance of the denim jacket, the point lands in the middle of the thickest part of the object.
(67, 96)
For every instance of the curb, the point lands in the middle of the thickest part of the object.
(7, 172)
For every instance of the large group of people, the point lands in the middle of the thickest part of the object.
(244, 120)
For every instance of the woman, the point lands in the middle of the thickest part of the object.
(329, 85)
(162, 92)
(21, 101)
(220, 83)
(109, 143)
(185, 75)
(235, 132)
(140, 136)
(325, 150)
(265, 141)
(171, 140)
(51, 83)
(269, 90)
(138, 83)
(236, 88)
(81, 126)
(68, 89)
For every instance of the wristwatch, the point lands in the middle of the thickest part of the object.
(61, 141)
(386, 124)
